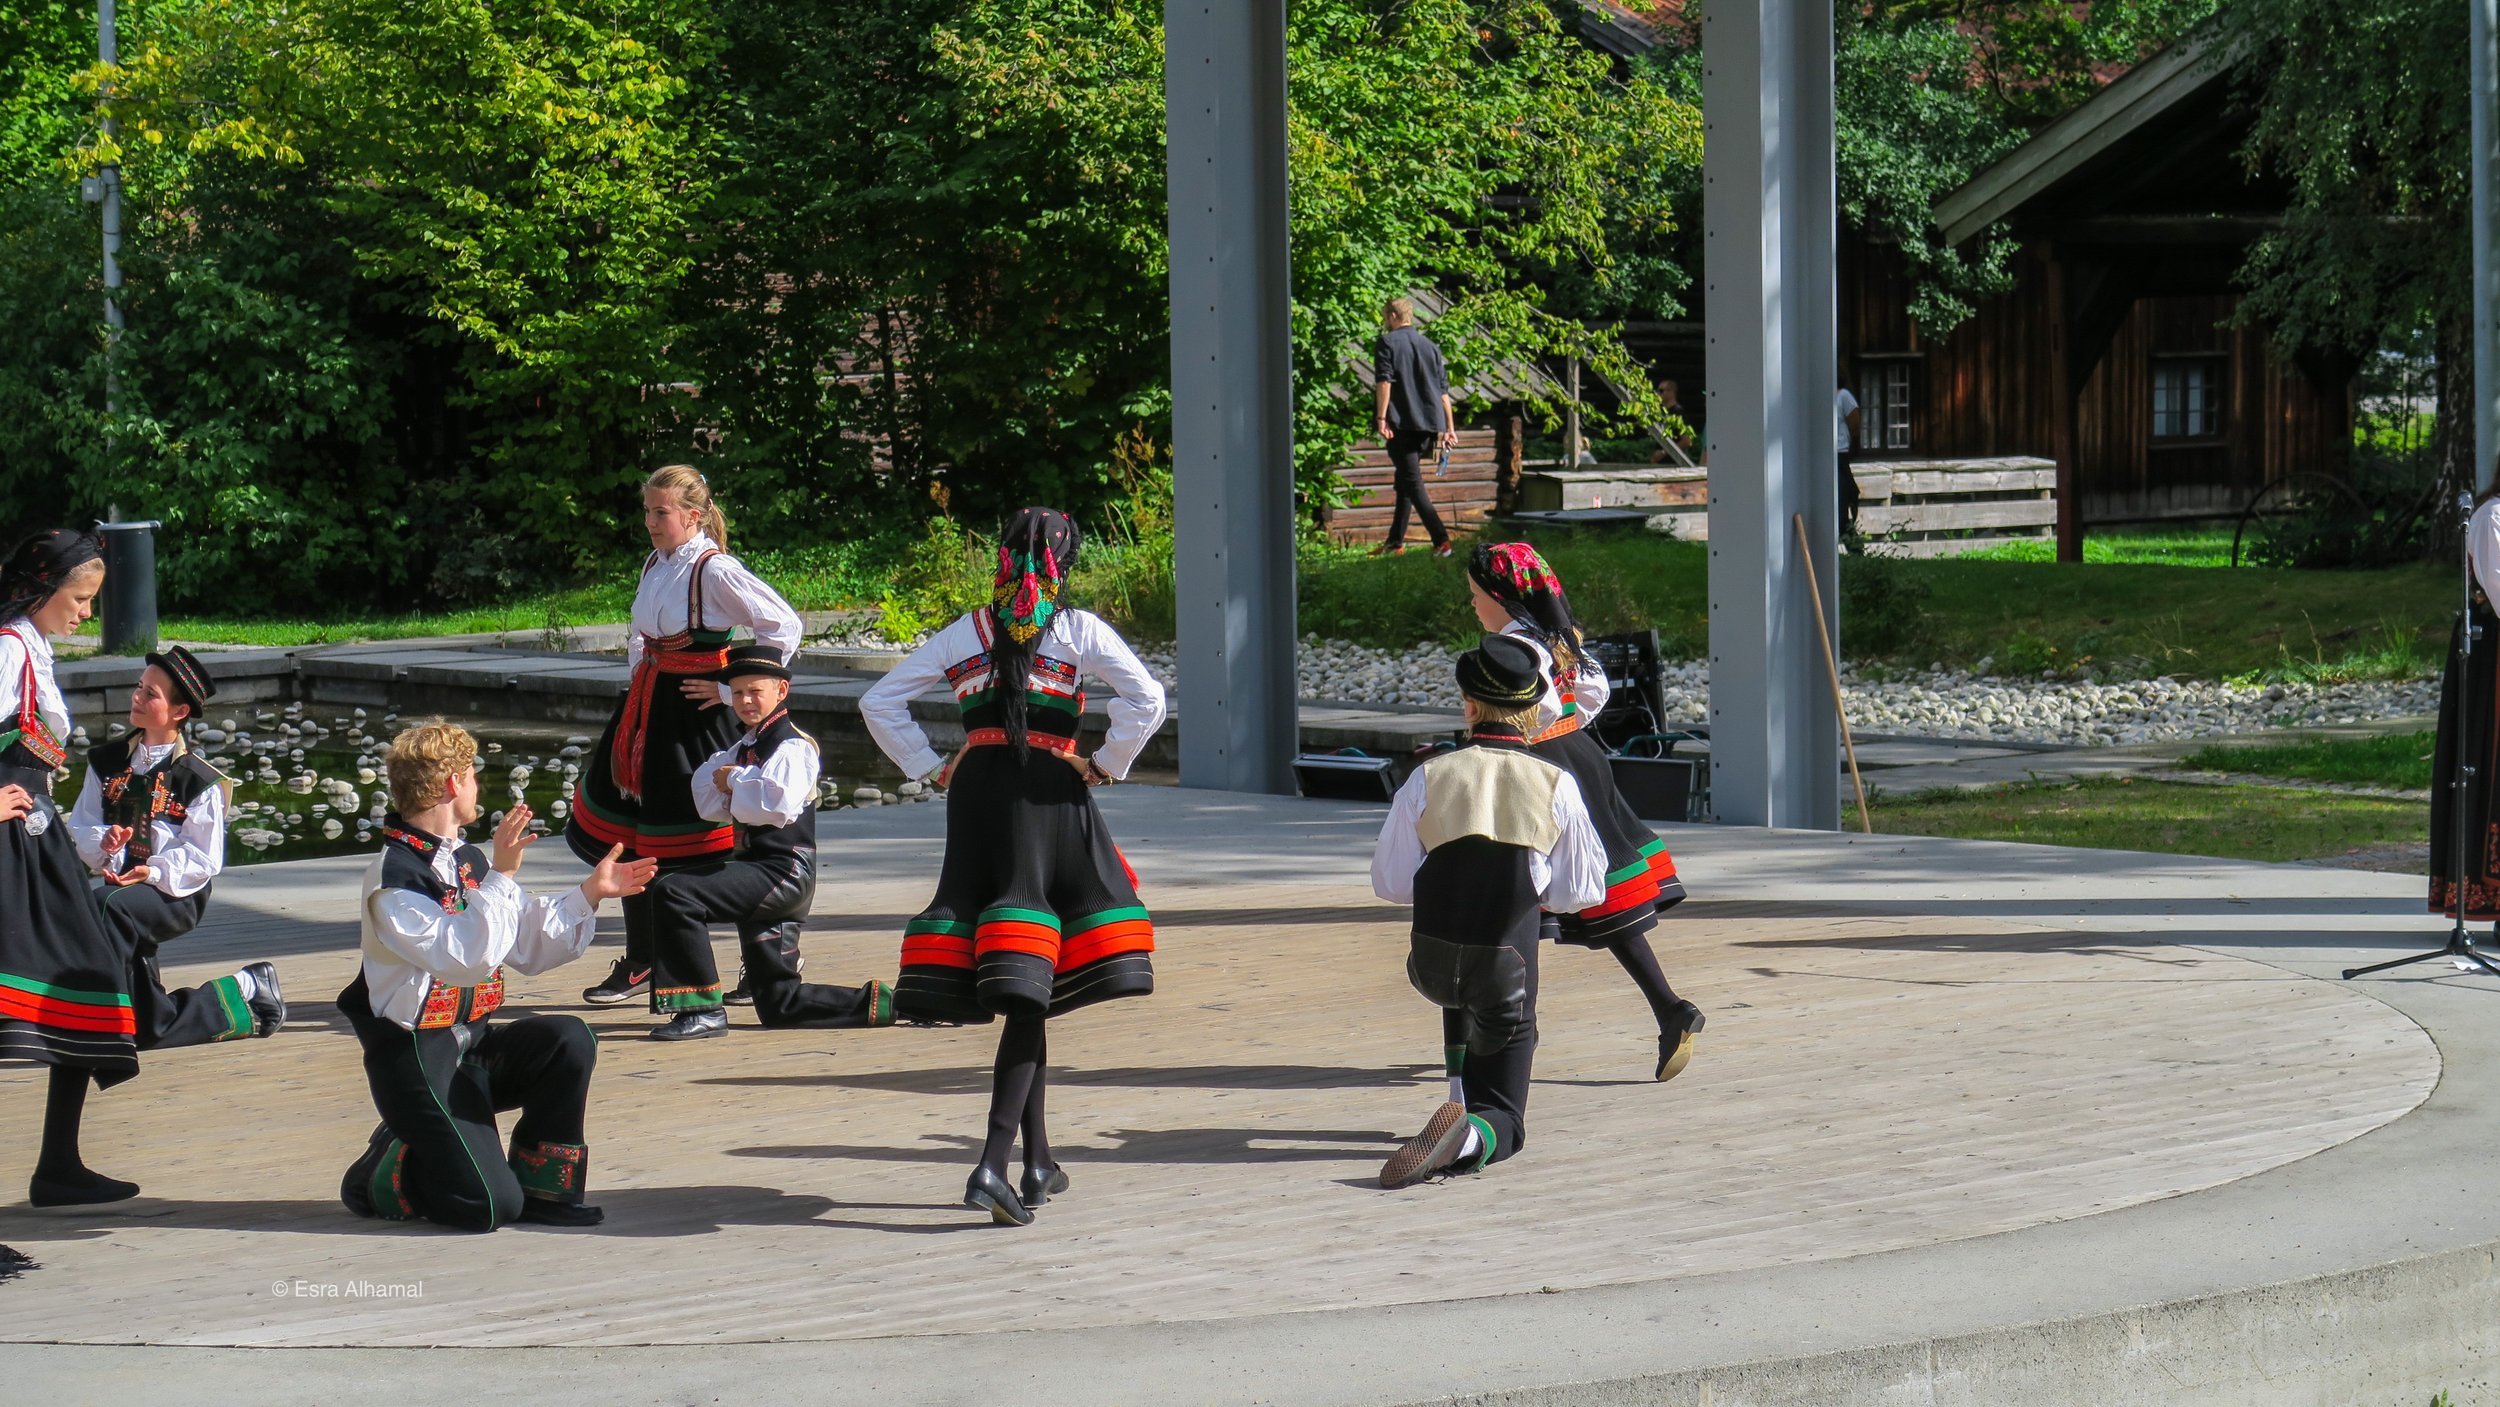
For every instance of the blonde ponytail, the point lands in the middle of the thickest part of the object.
(694, 492)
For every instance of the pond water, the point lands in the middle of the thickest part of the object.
(308, 778)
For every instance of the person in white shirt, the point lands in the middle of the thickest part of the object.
(1845, 422)
(1036, 912)
(63, 1001)
(635, 788)
(441, 922)
(151, 822)
(765, 785)
(1480, 840)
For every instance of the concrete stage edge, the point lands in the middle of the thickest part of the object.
(2363, 1273)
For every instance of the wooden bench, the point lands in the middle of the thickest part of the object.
(1906, 507)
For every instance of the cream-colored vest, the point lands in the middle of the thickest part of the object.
(1499, 793)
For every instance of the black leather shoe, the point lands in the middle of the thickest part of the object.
(268, 1001)
(742, 994)
(693, 1025)
(1675, 1044)
(1041, 1184)
(622, 982)
(540, 1211)
(88, 1189)
(356, 1189)
(989, 1192)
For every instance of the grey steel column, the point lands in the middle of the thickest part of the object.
(1768, 213)
(2485, 31)
(1232, 391)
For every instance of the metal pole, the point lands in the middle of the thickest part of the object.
(1232, 391)
(2484, 31)
(109, 191)
(1771, 306)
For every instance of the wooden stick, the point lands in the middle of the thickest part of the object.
(1831, 670)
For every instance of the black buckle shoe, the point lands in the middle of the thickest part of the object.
(356, 1189)
(1041, 1184)
(693, 1025)
(541, 1212)
(268, 1001)
(1675, 1044)
(622, 983)
(989, 1192)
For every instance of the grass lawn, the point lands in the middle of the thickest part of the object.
(2397, 760)
(2204, 548)
(2128, 618)
(2131, 616)
(2239, 823)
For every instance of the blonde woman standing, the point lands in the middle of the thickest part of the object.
(638, 788)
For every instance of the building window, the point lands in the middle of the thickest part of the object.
(1884, 405)
(2187, 398)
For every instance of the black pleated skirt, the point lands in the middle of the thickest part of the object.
(2469, 723)
(1640, 874)
(1036, 909)
(64, 977)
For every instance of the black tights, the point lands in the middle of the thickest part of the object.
(1016, 1081)
(1642, 964)
(64, 1108)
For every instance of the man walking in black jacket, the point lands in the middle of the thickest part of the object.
(1411, 414)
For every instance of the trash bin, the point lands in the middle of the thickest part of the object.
(129, 586)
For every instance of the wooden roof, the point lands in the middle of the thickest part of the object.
(2151, 159)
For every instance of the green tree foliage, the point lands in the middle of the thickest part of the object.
(963, 205)
(397, 270)
(2361, 112)
(453, 272)
(1929, 92)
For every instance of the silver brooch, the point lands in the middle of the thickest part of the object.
(39, 820)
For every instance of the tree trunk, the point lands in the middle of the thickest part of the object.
(2452, 424)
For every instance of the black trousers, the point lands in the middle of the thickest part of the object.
(439, 1092)
(768, 901)
(1848, 495)
(1406, 479)
(141, 918)
(1496, 1083)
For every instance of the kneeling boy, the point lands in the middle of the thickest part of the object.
(1479, 840)
(151, 821)
(441, 922)
(765, 784)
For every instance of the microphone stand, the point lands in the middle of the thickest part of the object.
(2462, 772)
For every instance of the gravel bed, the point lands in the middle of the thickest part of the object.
(1936, 704)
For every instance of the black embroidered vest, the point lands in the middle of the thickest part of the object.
(140, 799)
(408, 863)
(796, 840)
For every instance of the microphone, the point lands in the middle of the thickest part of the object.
(2465, 501)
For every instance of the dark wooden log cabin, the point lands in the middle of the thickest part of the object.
(2116, 353)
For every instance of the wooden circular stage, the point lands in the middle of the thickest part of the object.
(1873, 1077)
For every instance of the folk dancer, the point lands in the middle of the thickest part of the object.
(2469, 720)
(765, 785)
(151, 822)
(64, 998)
(1478, 840)
(637, 790)
(1516, 594)
(1036, 912)
(441, 922)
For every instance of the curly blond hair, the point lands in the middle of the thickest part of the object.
(423, 760)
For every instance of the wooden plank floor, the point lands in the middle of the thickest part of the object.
(1866, 1083)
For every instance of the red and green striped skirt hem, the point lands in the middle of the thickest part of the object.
(671, 842)
(1015, 956)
